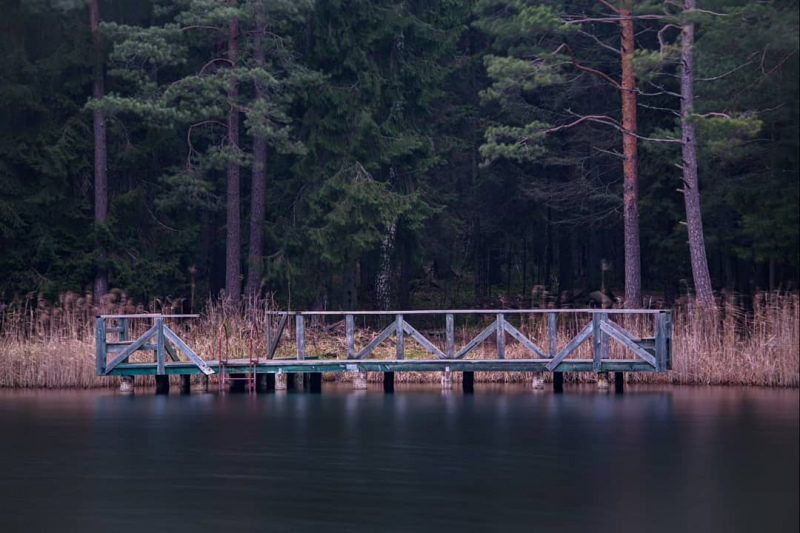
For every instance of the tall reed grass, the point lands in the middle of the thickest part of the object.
(51, 344)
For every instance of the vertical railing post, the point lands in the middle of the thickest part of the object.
(449, 336)
(100, 344)
(161, 370)
(351, 352)
(268, 333)
(301, 341)
(599, 342)
(400, 353)
(124, 332)
(501, 337)
(551, 335)
(661, 341)
(668, 331)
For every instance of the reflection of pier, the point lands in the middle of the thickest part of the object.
(587, 350)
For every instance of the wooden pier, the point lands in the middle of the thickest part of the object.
(172, 356)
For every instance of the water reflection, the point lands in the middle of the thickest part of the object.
(504, 458)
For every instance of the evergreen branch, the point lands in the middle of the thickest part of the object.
(201, 27)
(661, 43)
(577, 65)
(189, 138)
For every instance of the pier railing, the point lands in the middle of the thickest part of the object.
(654, 349)
(651, 352)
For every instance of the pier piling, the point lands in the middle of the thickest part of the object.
(280, 382)
(186, 384)
(467, 382)
(162, 384)
(602, 381)
(447, 379)
(619, 382)
(388, 382)
(537, 382)
(359, 381)
(558, 382)
(126, 384)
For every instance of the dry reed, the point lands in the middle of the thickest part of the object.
(51, 344)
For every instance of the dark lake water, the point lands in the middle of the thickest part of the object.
(503, 459)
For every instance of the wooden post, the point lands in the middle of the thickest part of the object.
(501, 337)
(468, 382)
(315, 382)
(301, 348)
(538, 381)
(124, 332)
(449, 335)
(126, 384)
(599, 341)
(619, 382)
(351, 352)
(551, 335)
(186, 384)
(400, 354)
(558, 382)
(202, 384)
(262, 383)
(161, 370)
(162, 384)
(388, 382)
(268, 334)
(100, 345)
(602, 381)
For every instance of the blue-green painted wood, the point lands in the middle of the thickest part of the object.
(124, 354)
(400, 347)
(482, 336)
(100, 345)
(300, 332)
(278, 335)
(160, 359)
(501, 336)
(525, 341)
(350, 339)
(626, 339)
(202, 365)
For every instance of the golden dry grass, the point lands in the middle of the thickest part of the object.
(51, 345)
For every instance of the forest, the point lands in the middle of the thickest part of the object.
(387, 154)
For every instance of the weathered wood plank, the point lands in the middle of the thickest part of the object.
(278, 335)
(501, 336)
(382, 336)
(661, 342)
(301, 337)
(268, 333)
(483, 311)
(160, 345)
(188, 352)
(599, 348)
(428, 345)
(350, 337)
(571, 347)
(377, 365)
(625, 338)
(551, 335)
(100, 345)
(523, 340)
(668, 327)
(482, 336)
(449, 335)
(400, 348)
(124, 354)
(171, 352)
(117, 348)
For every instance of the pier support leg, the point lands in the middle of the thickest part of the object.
(238, 384)
(388, 382)
(602, 381)
(467, 382)
(280, 382)
(447, 379)
(558, 382)
(359, 381)
(291, 382)
(619, 382)
(202, 385)
(299, 381)
(262, 384)
(538, 381)
(315, 382)
(186, 384)
(126, 384)
(162, 384)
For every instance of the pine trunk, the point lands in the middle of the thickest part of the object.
(633, 276)
(232, 237)
(100, 154)
(691, 192)
(258, 187)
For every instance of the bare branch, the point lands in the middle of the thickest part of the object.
(616, 19)
(683, 8)
(609, 6)
(214, 61)
(598, 41)
(577, 65)
(658, 108)
(661, 43)
(197, 26)
(603, 119)
(714, 114)
(726, 74)
(189, 139)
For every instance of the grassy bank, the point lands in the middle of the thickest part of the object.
(51, 345)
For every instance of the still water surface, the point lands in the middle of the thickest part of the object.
(503, 459)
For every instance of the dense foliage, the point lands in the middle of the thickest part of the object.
(414, 145)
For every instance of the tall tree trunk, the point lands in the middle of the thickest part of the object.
(100, 154)
(257, 215)
(232, 244)
(633, 276)
(383, 300)
(691, 192)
